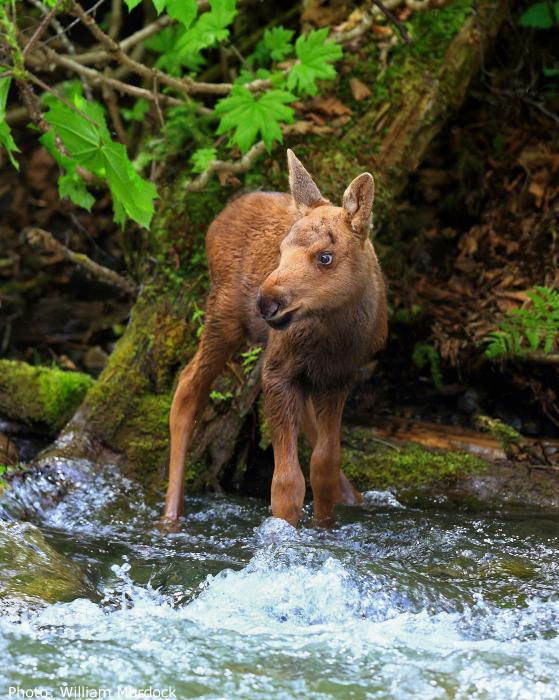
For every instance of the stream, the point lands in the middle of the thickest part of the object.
(392, 602)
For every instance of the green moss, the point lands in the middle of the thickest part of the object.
(44, 395)
(145, 438)
(370, 464)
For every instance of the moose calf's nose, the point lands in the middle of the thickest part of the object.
(267, 306)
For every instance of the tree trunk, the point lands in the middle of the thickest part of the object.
(411, 101)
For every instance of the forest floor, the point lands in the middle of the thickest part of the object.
(476, 228)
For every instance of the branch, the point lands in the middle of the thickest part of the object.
(227, 166)
(242, 165)
(98, 78)
(184, 85)
(41, 28)
(56, 25)
(391, 18)
(44, 239)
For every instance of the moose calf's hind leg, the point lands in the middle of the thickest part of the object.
(190, 397)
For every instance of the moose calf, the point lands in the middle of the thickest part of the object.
(300, 275)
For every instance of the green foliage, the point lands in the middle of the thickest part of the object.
(250, 357)
(80, 139)
(275, 45)
(201, 158)
(181, 46)
(197, 319)
(6, 138)
(540, 15)
(424, 354)
(138, 111)
(218, 396)
(247, 115)
(84, 134)
(534, 328)
(316, 56)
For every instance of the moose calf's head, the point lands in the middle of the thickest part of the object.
(326, 256)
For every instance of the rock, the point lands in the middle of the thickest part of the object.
(32, 572)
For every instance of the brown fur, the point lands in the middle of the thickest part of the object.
(320, 323)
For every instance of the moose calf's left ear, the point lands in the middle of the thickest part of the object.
(358, 203)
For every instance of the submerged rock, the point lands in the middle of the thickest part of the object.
(32, 572)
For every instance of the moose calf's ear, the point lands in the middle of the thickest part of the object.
(358, 203)
(305, 193)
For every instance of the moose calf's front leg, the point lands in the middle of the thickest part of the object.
(325, 460)
(283, 408)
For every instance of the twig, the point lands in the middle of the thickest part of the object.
(56, 25)
(183, 85)
(227, 166)
(242, 165)
(44, 239)
(114, 112)
(403, 33)
(98, 78)
(116, 19)
(41, 28)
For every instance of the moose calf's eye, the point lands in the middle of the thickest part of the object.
(325, 258)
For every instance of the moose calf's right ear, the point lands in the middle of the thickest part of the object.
(358, 203)
(303, 190)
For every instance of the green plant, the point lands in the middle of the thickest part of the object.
(197, 319)
(218, 396)
(74, 125)
(250, 357)
(541, 15)
(534, 328)
(425, 354)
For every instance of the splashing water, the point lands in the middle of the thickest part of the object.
(391, 603)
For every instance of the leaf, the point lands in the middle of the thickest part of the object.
(247, 115)
(315, 55)
(201, 158)
(539, 16)
(72, 186)
(277, 42)
(138, 111)
(128, 189)
(89, 145)
(183, 11)
(210, 28)
(6, 138)
(131, 4)
(81, 137)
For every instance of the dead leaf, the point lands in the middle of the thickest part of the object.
(330, 106)
(358, 89)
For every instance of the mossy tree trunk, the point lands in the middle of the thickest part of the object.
(128, 407)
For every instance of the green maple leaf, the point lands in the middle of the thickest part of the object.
(275, 44)
(247, 115)
(6, 138)
(315, 54)
(209, 28)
